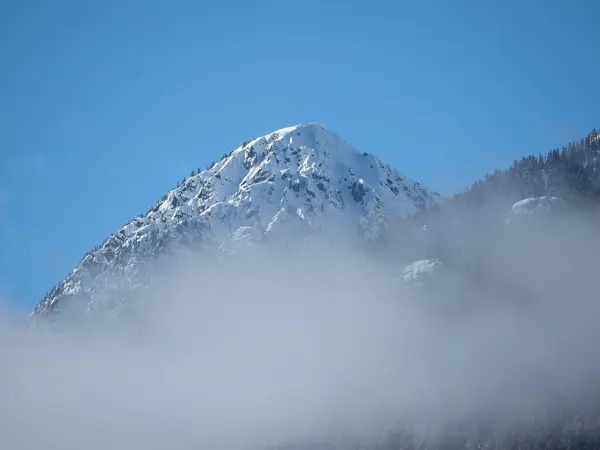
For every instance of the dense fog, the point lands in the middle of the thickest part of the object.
(267, 348)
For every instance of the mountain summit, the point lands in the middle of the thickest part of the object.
(295, 182)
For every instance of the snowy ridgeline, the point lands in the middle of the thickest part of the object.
(298, 181)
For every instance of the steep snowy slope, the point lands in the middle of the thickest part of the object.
(297, 181)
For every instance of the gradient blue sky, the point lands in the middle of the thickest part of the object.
(105, 105)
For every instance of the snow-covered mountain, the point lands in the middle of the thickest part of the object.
(295, 182)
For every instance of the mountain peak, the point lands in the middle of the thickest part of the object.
(306, 127)
(312, 135)
(292, 183)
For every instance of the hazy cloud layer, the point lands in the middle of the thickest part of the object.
(265, 349)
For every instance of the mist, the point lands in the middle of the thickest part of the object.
(263, 349)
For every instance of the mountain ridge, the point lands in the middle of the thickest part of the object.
(295, 181)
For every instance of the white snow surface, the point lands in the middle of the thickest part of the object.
(298, 181)
(417, 270)
(534, 207)
(534, 204)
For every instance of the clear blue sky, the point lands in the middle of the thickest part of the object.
(105, 105)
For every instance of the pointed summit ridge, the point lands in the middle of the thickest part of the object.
(294, 182)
